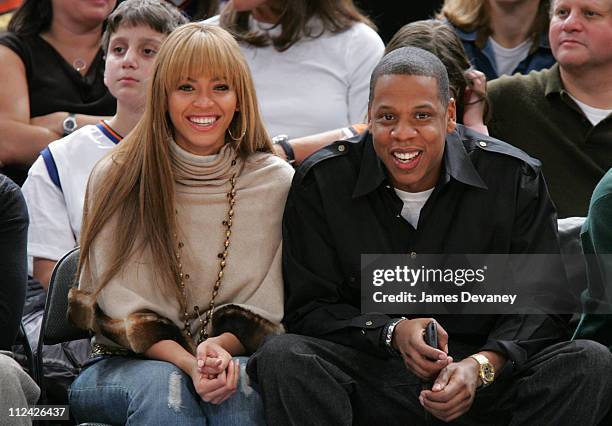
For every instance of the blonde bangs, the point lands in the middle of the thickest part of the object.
(198, 50)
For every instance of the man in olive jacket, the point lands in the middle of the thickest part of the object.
(562, 115)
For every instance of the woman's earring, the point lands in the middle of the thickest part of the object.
(232, 136)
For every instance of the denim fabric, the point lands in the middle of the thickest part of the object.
(484, 59)
(120, 390)
(326, 383)
(17, 390)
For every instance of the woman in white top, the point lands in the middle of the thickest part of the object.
(311, 61)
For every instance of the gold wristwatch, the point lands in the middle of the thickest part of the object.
(486, 370)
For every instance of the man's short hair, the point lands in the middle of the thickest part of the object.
(160, 15)
(412, 61)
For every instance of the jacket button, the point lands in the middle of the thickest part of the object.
(482, 143)
(368, 323)
(341, 148)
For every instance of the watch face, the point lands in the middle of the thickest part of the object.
(279, 139)
(69, 124)
(488, 373)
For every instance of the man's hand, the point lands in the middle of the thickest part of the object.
(474, 101)
(221, 387)
(453, 391)
(423, 360)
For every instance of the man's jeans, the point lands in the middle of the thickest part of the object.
(311, 381)
(120, 390)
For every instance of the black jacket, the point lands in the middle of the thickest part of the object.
(13, 259)
(491, 198)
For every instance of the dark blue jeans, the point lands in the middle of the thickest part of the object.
(121, 390)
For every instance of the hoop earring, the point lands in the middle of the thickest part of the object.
(232, 136)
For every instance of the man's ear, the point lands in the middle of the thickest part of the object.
(369, 119)
(451, 112)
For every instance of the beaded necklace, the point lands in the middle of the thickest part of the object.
(187, 317)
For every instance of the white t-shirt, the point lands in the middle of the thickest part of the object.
(317, 84)
(595, 115)
(413, 203)
(55, 189)
(507, 59)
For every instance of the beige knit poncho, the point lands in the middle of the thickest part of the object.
(130, 312)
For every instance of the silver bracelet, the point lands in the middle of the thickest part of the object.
(389, 335)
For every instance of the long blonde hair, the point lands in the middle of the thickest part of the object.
(138, 187)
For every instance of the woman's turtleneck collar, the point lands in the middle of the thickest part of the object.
(210, 170)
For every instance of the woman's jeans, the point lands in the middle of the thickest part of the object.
(121, 390)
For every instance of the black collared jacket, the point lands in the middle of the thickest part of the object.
(491, 198)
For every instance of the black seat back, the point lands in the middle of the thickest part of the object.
(55, 326)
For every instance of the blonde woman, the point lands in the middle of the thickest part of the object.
(180, 250)
(502, 37)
